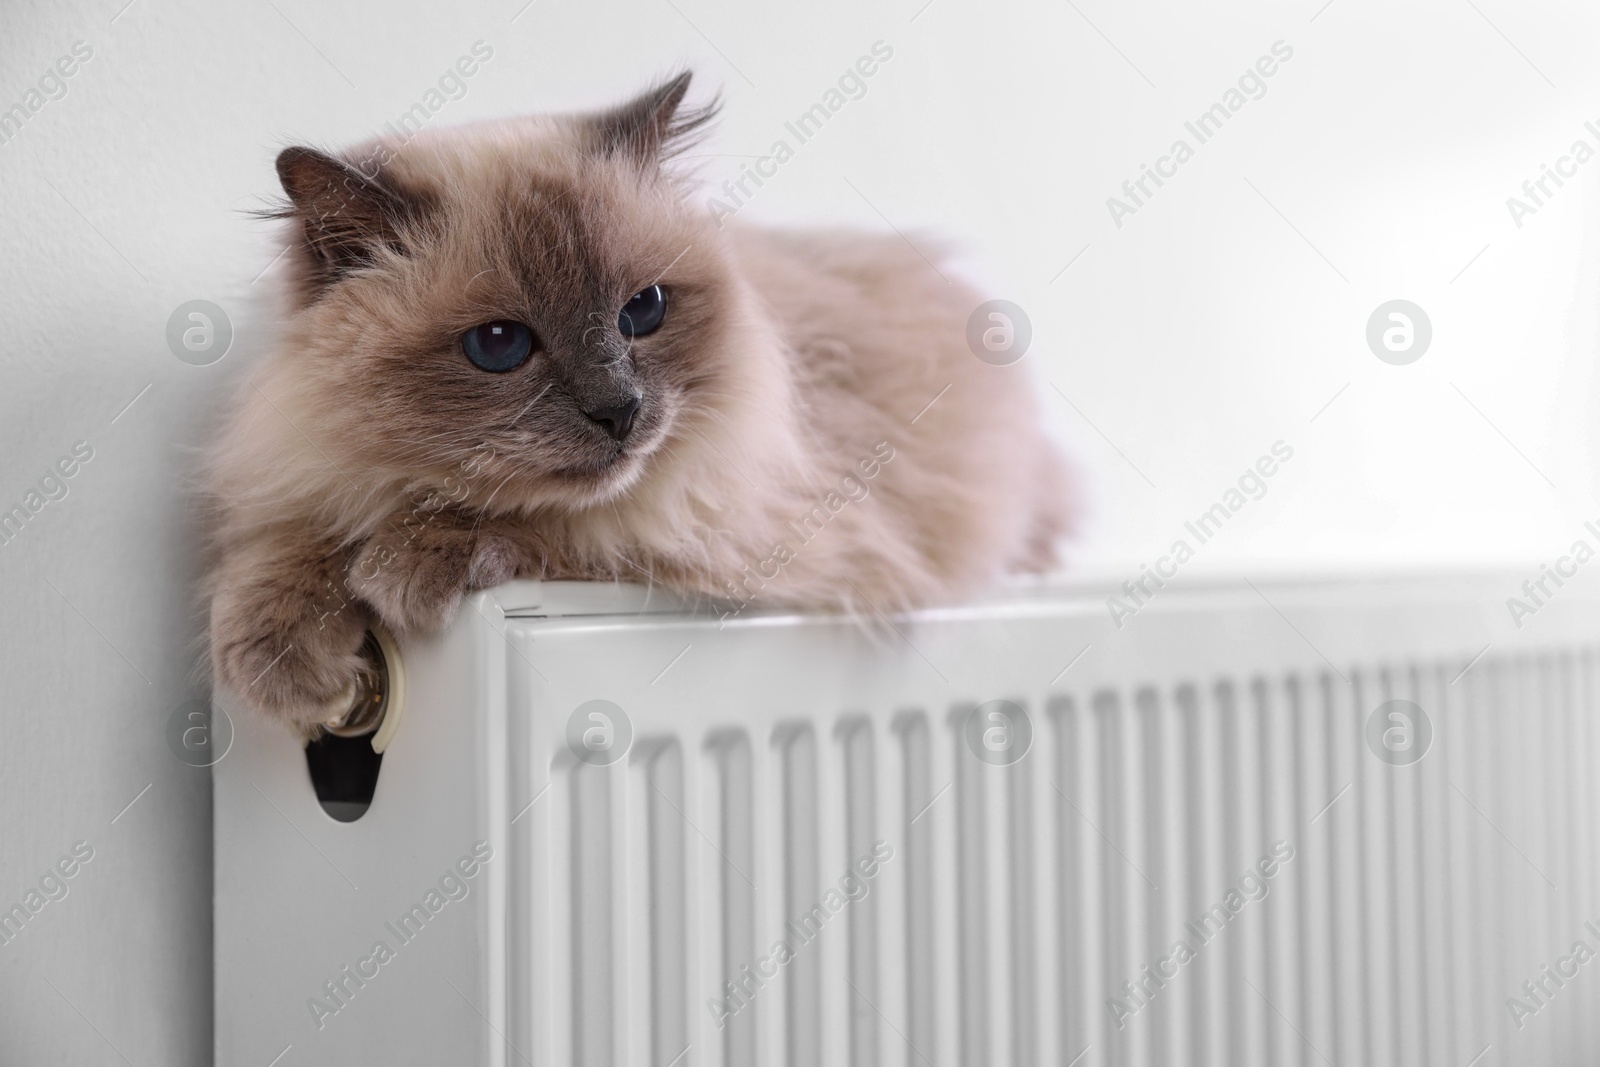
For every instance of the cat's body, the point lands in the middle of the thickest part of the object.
(806, 427)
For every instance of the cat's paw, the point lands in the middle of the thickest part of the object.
(291, 656)
(416, 575)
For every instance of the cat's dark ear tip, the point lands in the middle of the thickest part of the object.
(297, 162)
(687, 124)
(651, 127)
(291, 159)
(675, 88)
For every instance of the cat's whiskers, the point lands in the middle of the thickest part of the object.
(481, 273)
(529, 406)
(483, 508)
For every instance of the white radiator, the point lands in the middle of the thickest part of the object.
(1022, 908)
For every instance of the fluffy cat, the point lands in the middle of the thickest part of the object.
(516, 349)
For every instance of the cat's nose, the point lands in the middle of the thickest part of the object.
(617, 420)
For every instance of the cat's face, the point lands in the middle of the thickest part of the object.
(533, 305)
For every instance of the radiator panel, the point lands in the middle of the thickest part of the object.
(633, 908)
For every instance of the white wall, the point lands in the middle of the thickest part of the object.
(1202, 330)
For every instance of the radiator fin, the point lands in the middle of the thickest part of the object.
(916, 907)
(732, 904)
(857, 751)
(667, 901)
(593, 875)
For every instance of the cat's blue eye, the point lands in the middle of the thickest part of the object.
(498, 346)
(643, 312)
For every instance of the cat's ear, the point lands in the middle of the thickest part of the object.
(347, 216)
(653, 126)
